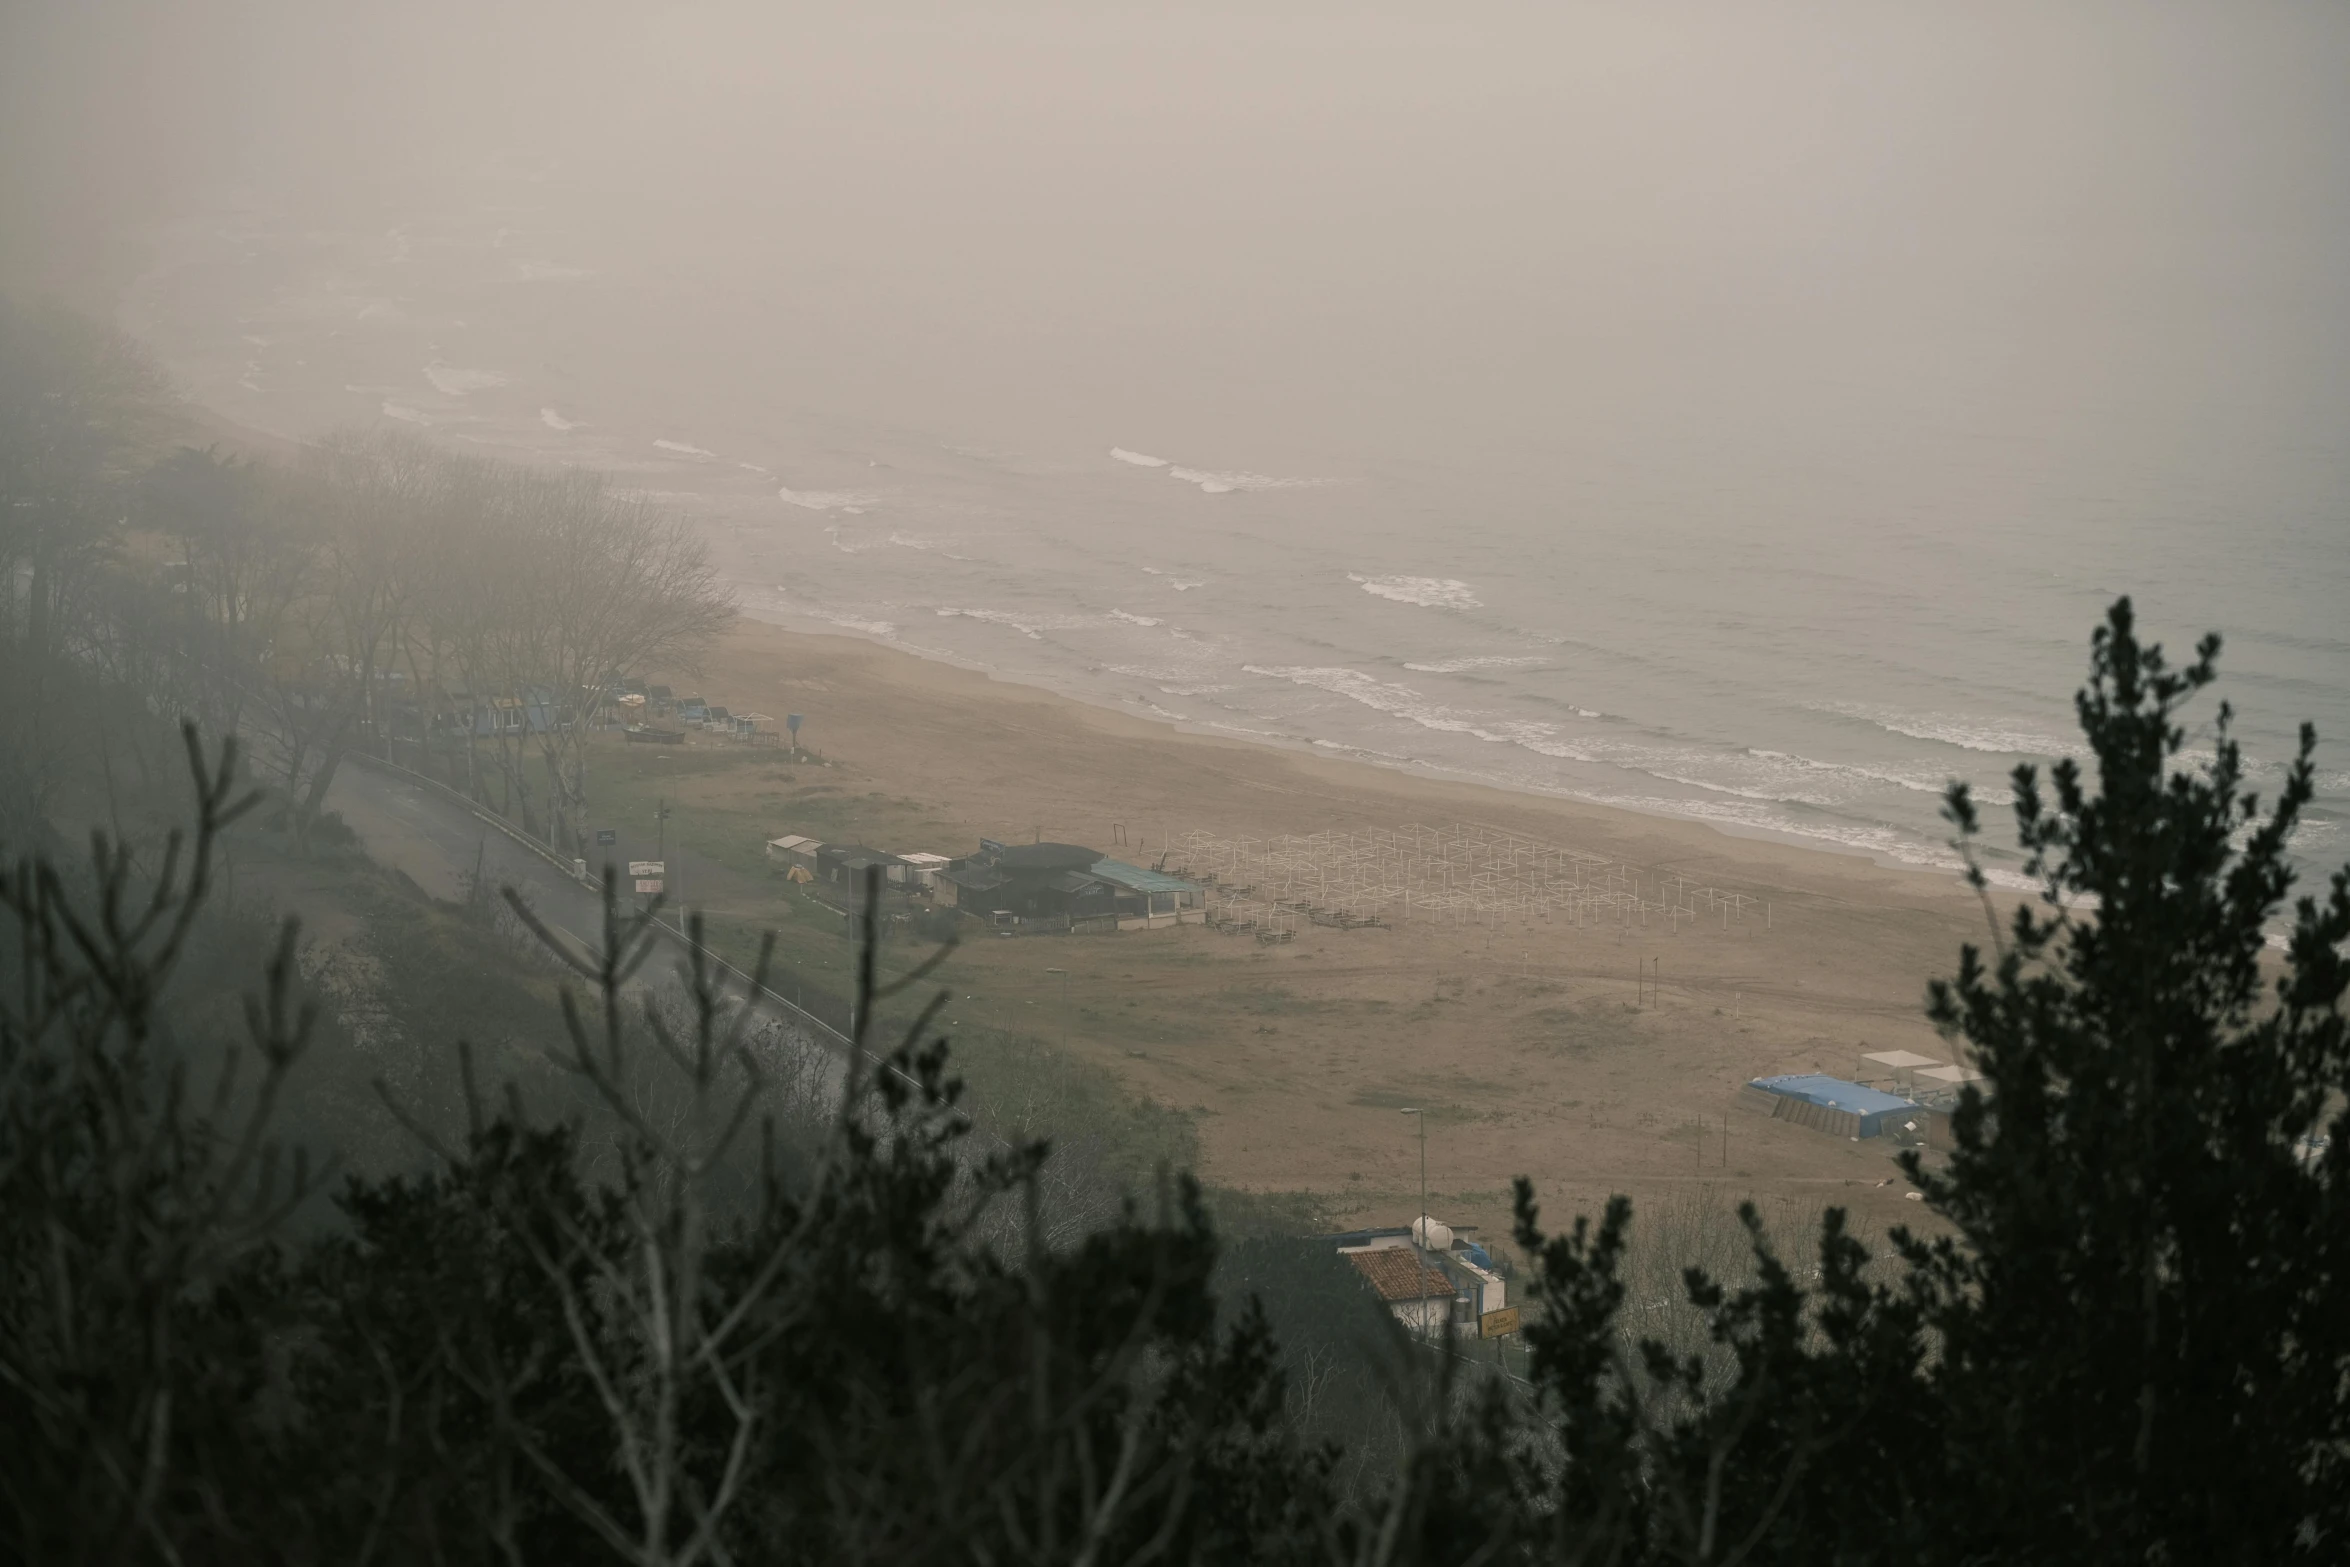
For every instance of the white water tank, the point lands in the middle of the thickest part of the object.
(1433, 1234)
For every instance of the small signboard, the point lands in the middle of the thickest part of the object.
(791, 721)
(1496, 1323)
(648, 884)
(606, 837)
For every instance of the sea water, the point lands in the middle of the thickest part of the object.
(1465, 441)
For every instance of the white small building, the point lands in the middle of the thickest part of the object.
(919, 870)
(786, 852)
(1430, 1280)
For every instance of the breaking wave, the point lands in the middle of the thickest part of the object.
(1455, 666)
(1213, 481)
(824, 500)
(1996, 736)
(1427, 592)
(450, 381)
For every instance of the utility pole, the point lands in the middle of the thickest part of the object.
(1420, 1234)
(661, 845)
(1064, 973)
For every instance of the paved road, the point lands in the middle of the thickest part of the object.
(441, 845)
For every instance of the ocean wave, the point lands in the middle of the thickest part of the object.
(1213, 481)
(370, 391)
(1135, 620)
(1877, 839)
(906, 541)
(1996, 736)
(404, 413)
(1427, 592)
(555, 421)
(1402, 701)
(752, 466)
(685, 449)
(1916, 783)
(1454, 666)
(549, 272)
(451, 381)
(1029, 626)
(847, 622)
(1755, 776)
(824, 500)
(859, 548)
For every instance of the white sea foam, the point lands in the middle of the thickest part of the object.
(549, 272)
(1134, 620)
(1427, 592)
(555, 421)
(752, 466)
(685, 449)
(1455, 666)
(370, 391)
(1919, 782)
(1401, 701)
(874, 628)
(1213, 481)
(824, 500)
(451, 381)
(1027, 625)
(404, 413)
(1998, 736)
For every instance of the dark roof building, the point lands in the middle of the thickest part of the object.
(1040, 858)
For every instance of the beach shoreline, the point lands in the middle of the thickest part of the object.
(1589, 1056)
(1681, 837)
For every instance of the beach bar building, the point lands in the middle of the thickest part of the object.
(1152, 898)
(1941, 1085)
(919, 870)
(1894, 1066)
(1826, 1104)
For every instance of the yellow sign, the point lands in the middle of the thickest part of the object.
(1495, 1323)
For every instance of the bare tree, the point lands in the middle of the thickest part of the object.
(613, 584)
(79, 406)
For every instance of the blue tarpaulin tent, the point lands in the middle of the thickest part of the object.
(1829, 1103)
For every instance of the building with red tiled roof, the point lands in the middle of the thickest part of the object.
(1418, 1293)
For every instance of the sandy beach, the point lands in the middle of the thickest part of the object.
(1535, 1047)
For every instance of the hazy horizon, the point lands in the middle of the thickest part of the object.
(1716, 411)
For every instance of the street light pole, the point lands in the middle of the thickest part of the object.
(1420, 1235)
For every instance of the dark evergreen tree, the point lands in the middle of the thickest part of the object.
(2144, 1315)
